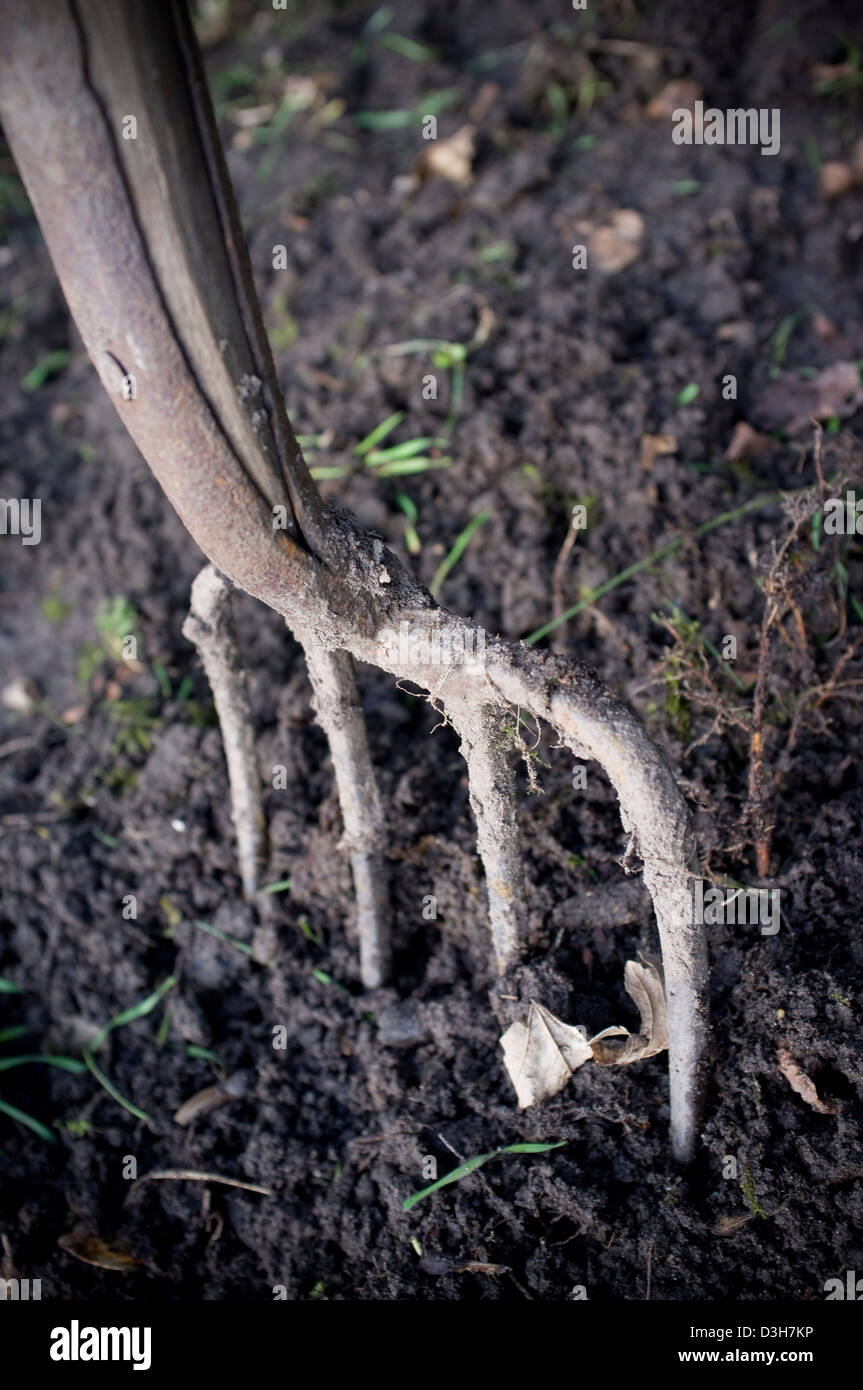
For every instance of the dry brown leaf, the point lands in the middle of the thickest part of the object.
(451, 159)
(747, 443)
(832, 72)
(652, 445)
(541, 1055)
(248, 117)
(484, 99)
(802, 1084)
(681, 92)
(92, 1250)
(74, 714)
(618, 243)
(211, 1097)
(790, 404)
(836, 178)
(643, 984)
(192, 1175)
(18, 696)
(727, 1225)
(823, 327)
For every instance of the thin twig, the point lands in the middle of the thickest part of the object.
(192, 1175)
(15, 745)
(557, 577)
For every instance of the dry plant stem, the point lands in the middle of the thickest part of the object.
(558, 576)
(340, 715)
(210, 627)
(777, 600)
(491, 784)
(757, 796)
(145, 250)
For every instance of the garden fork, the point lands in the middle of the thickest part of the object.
(106, 108)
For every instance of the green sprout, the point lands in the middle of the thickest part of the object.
(130, 1015)
(472, 1164)
(459, 546)
(408, 506)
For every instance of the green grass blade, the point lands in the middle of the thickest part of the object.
(407, 48)
(406, 450)
(400, 468)
(202, 1054)
(130, 1015)
(281, 886)
(64, 1063)
(16, 1031)
(51, 363)
(223, 936)
(24, 1119)
(434, 102)
(460, 545)
(324, 471)
(9, 987)
(661, 553)
(112, 1089)
(408, 506)
(414, 345)
(532, 1148)
(463, 1171)
(383, 120)
(378, 433)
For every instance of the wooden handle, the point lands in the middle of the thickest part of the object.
(109, 119)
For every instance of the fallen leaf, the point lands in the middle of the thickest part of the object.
(451, 159)
(739, 331)
(18, 696)
(92, 1250)
(836, 178)
(652, 445)
(484, 99)
(248, 117)
(74, 714)
(618, 243)
(832, 72)
(823, 327)
(802, 1084)
(211, 1097)
(643, 984)
(747, 443)
(541, 1055)
(790, 404)
(679, 93)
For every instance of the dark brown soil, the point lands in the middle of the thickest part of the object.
(576, 368)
